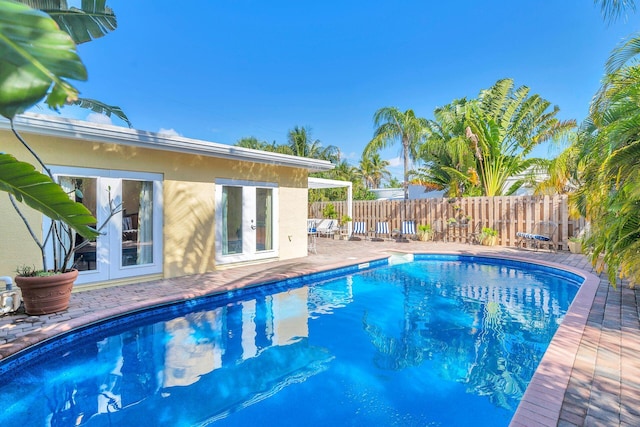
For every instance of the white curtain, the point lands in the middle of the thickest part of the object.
(145, 224)
(268, 242)
(225, 232)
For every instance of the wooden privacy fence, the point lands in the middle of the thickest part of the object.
(507, 214)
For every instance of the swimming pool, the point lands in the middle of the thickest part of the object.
(407, 344)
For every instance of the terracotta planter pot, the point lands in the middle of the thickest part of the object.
(47, 294)
(575, 247)
(490, 240)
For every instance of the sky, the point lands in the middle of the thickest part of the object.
(223, 70)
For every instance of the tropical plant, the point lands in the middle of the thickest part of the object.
(503, 127)
(488, 236)
(425, 232)
(329, 211)
(393, 125)
(610, 195)
(373, 170)
(253, 143)
(301, 143)
(613, 9)
(449, 164)
(37, 59)
(345, 219)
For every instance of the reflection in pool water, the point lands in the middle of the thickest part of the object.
(424, 343)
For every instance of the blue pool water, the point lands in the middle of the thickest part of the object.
(446, 341)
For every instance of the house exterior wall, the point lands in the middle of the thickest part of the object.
(188, 199)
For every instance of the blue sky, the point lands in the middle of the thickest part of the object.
(223, 70)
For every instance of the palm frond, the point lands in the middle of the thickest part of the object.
(102, 108)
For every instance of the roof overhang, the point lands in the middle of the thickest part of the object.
(327, 183)
(109, 134)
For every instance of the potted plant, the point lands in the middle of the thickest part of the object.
(35, 68)
(425, 232)
(489, 236)
(344, 226)
(575, 245)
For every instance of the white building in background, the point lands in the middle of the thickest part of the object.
(415, 192)
(418, 191)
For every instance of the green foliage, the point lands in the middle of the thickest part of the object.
(609, 145)
(393, 125)
(329, 211)
(488, 232)
(425, 228)
(93, 20)
(479, 144)
(41, 193)
(36, 59)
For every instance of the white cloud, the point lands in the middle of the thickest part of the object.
(168, 132)
(99, 118)
(394, 162)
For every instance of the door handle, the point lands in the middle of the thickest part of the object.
(253, 226)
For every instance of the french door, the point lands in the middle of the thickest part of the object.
(245, 221)
(130, 243)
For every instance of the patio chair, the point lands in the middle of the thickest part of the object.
(543, 233)
(407, 230)
(359, 229)
(382, 229)
(327, 227)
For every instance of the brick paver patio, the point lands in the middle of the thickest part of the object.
(590, 375)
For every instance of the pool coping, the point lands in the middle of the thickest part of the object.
(542, 401)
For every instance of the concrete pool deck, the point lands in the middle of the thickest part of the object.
(590, 375)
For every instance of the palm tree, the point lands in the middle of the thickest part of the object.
(301, 144)
(610, 196)
(449, 164)
(393, 125)
(373, 170)
(613, 9)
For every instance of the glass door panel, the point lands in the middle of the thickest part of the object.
(264, 222)
(83, 190)
(137, 223)
(245, 222)
(232, 222)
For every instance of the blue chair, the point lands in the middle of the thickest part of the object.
(359, 228)
(408, 229)
(542, 234)
(382, 229)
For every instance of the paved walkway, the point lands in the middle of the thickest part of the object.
(590, 375)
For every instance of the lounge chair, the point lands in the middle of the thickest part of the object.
(327, 227)
(407, 230)
(542, 234)
(359, 229)
(382, 229)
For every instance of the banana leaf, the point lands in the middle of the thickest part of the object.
(35, 59)
(93, 20)
(40, 192)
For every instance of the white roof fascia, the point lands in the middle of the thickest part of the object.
(327, 183)
(98, 132)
